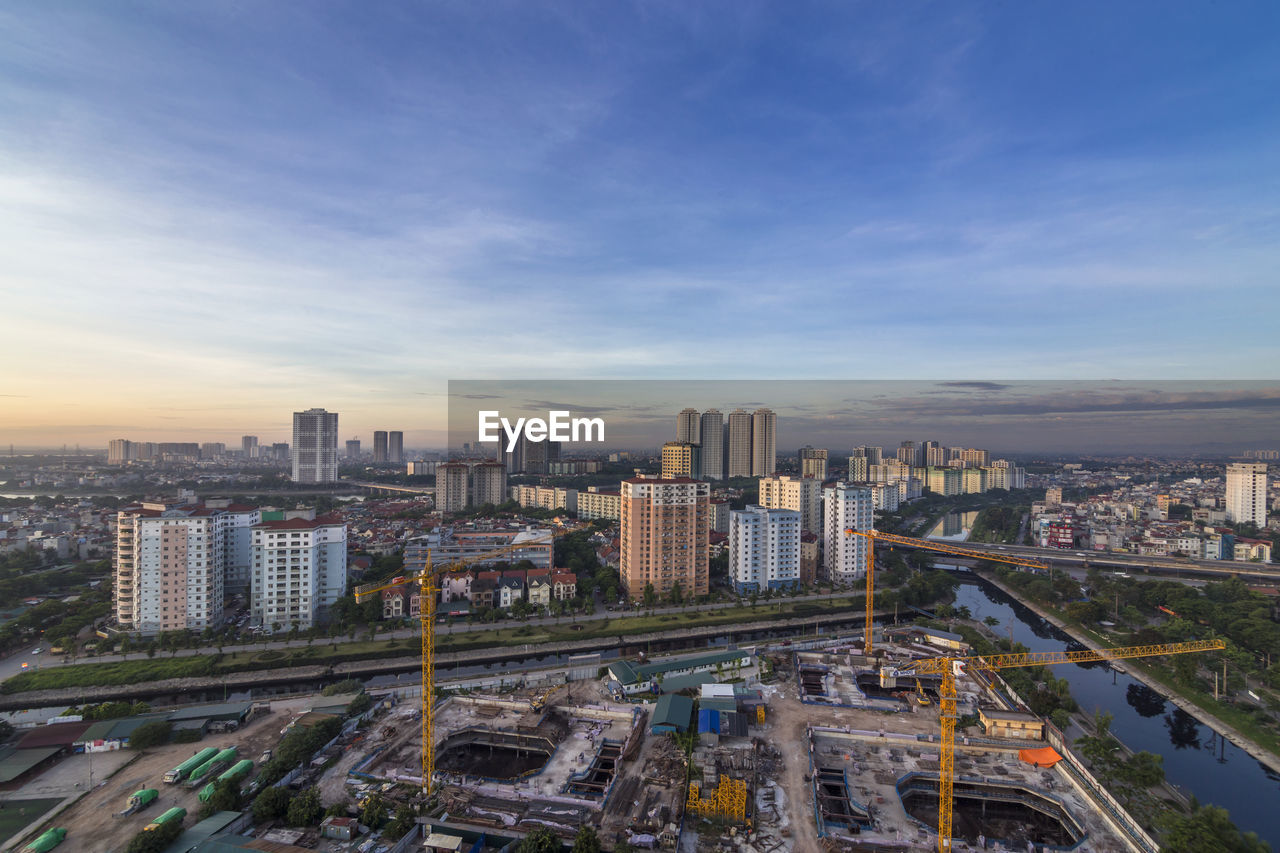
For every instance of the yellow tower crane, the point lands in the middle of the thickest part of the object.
(874, 536)
(427, 592)
(948, 667)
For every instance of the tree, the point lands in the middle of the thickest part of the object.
(305, 809)
(1209, 829)
(1061, 718)
(374, 812)
(677, 596)
(586, 841)
(151, 734)
(226, 798)
(541, 840)
(270, 804)
(650, 597)
(401, 824)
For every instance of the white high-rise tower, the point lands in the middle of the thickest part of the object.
(1247, 493)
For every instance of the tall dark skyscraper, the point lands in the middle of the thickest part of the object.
(395, 447)
(380, 447)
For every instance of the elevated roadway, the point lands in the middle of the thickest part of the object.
(1137, 562)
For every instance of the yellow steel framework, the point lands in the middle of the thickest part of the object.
(947, 667)
(427, 592)
(729, 800)
(874, 536)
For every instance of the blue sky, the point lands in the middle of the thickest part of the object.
(218, 213)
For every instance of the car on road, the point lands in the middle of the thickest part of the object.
(37, 650)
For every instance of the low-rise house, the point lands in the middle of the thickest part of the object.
(564, 586)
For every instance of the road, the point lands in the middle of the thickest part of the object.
(400, 633)
(1166, 565)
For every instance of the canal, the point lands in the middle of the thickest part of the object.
(1196, 759)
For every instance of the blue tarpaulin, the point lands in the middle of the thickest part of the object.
(709, 720)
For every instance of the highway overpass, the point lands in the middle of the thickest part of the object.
(1112, 561)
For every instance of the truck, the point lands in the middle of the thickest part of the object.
(47, 841)
(237, 771)
(176, 813)
(139, 800)
(222, 759)
(180, 772)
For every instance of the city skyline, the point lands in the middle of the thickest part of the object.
(1223, 418)
(214, 215)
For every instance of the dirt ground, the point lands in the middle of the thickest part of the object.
(786, 724)
(92, 824)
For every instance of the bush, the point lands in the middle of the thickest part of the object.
(154, 733)
(188, 736)
(351, 685)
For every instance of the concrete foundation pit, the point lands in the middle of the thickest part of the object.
(500, 756)
(1012, 814)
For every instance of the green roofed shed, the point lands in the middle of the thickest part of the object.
(672, 714)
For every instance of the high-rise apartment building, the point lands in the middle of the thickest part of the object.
(299, 571)
(935, 455)
(859, 469)
(764, 549)
(665, 534)
(738, 451)
(315, 446)
(532, 457)
(489, 483)
(972, 457)
(874, 455)
(681, 459)
(172, 564)
(380, 447)
(802, 494)
(249, 446)
(764, 443)
(813, 463)
(909, 454)
(120, 451)
(451, 487)
(846, 507)
(689, 426)
(1247, 493)
(213, 450)
(353, 448)
(395, 447)
(945, 481)
(711, 433)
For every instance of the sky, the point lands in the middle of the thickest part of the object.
(1015, 417)
(217, 214)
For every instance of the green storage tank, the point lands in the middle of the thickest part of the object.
(180, 772)
(171, 815)
(237, 772)
(46, 842)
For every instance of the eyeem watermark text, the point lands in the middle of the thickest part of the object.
(558, 426)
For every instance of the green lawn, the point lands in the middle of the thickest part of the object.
(15, 815)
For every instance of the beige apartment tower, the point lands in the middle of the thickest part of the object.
(689, 426)
(764, 443)
(666, 528)
(451, 487)
(738, 452)
(681, 459)
(802, 494)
